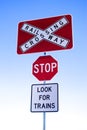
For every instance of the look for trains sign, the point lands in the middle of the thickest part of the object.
(48, 34)
(45, 97)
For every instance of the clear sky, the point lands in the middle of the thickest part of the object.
(15, 70)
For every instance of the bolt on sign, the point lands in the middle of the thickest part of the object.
(44, 97)
(48, 34)
(45, 67)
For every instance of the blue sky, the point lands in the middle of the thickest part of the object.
(15, 70)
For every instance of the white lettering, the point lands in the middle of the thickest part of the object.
(42, 68)
(36, 69)
(53, 66)
(48, 67)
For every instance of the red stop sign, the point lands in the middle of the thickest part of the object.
(44, 68)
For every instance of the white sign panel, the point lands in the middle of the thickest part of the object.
(44, 97)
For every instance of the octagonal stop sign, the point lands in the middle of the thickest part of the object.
(44, 68)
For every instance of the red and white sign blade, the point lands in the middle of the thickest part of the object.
(48, 34)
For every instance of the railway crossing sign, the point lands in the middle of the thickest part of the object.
(48, 34)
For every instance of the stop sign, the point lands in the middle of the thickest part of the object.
(44, 68)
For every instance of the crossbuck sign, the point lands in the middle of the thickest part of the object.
(57, 35)
(46, 34)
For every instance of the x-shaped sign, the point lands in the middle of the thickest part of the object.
(46, 34)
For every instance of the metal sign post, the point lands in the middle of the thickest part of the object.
(44, 120)
(44, 113)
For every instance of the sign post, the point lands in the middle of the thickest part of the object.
(44, 113)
